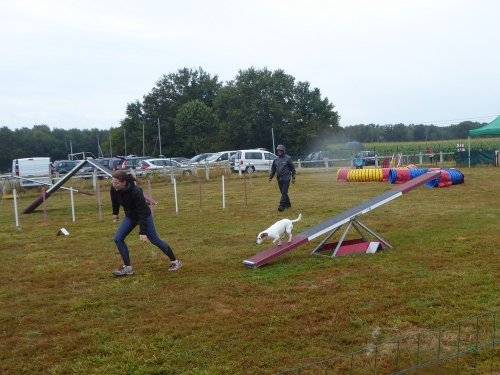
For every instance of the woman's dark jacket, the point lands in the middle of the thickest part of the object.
(133, 202)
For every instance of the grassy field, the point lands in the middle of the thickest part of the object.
(61, 311)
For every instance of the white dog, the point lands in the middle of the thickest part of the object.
(278, 230)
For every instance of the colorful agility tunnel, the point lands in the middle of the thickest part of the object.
(342, 174)
(402, 175)
(447, 177)
(363, 175)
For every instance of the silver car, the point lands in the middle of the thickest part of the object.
(163, 165)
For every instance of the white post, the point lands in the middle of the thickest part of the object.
(223, 194)
(98, 202)
(175, 197)
(94, 178)
(15, 209)
(72, 204)
(45, 220)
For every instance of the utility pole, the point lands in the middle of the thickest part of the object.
(110, 149)
(159, 137)
(125, 142)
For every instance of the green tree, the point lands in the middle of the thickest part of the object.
(261, 102)
(132, 131)
(196, 126)
(256, 102)
(313, 120)
(171, 92)
(8, 145)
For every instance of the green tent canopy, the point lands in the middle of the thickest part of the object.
(493, 128)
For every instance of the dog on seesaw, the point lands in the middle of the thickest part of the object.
(278, 230)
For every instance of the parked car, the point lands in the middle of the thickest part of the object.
(128, 162)
(88, 169)
(167, 165)
(252, 160)
(180, 159)
(318, 159)
(198, 158)
(219, 158)
(106, 162)
(64, 166)
(365, 158)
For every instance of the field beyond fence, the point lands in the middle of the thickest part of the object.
(63, 313)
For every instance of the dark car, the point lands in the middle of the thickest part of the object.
(318, 159)
(64, 166)
(104, 162)
(126, 163)
(88, 169)
(365, 158)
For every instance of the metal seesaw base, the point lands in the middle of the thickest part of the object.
(354, 246)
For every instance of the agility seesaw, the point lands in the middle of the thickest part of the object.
(332, 225)
(60, 183)
(47, 184)
(53, 188)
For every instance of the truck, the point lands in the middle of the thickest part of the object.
(30, 170)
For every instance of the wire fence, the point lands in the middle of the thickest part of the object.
(470, 346)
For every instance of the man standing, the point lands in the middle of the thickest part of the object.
(284, 170)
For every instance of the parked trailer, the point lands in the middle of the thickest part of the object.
(35, 169)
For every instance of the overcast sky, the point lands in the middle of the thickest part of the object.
(77, 63)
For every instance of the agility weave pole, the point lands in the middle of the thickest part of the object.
(331, 225)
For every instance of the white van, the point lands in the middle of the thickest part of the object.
(37, 169)
(253, 160)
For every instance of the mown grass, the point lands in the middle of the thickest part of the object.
(63, 313)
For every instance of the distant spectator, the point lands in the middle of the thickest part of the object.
(284, 170)
(430, 154)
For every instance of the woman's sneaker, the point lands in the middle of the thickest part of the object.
(176, 264)
(124, 271)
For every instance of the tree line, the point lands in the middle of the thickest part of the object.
(191, 111)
